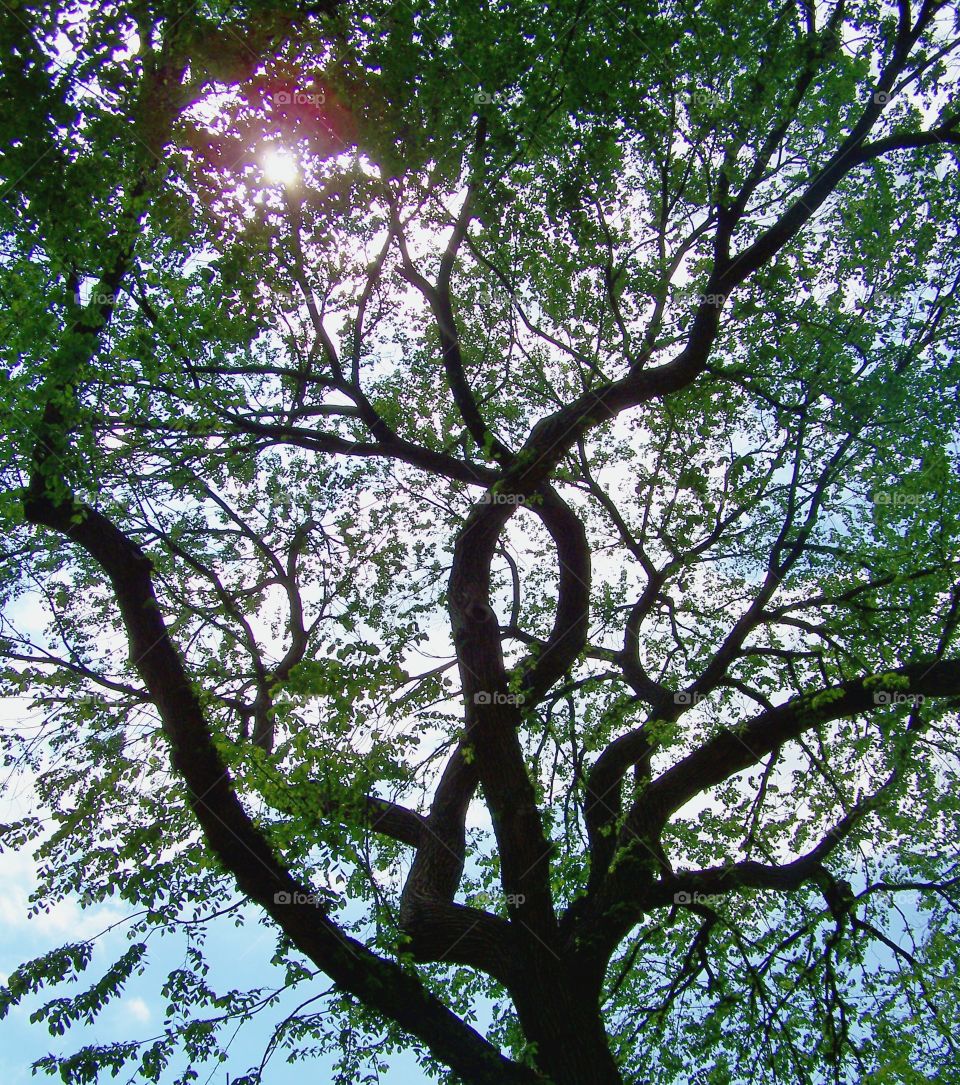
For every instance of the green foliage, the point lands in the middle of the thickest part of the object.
(60, 1013)
(248, 379)
(52, 967)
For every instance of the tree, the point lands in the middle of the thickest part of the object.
(509, 534)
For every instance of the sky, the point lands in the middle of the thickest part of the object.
(234, 954)
(237, 957)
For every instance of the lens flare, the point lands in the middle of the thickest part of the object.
(280, 167)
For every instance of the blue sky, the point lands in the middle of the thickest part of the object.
(237, 957)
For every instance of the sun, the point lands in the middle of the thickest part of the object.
(280, 167)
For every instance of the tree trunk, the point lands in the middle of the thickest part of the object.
(567, 1029)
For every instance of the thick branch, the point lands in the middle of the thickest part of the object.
(568, 636)
(734, 750)
(235, 841)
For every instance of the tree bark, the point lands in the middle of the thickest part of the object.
(565, 1025)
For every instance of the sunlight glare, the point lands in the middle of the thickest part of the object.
(280, 167)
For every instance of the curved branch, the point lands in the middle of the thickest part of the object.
(231, 834)
(550, 661)
(734, 750)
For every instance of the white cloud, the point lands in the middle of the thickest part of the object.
(67, 918)
(136, 1009)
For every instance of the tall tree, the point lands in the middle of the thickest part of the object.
(489, 475)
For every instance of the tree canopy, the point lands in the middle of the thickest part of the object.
(479, 485)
